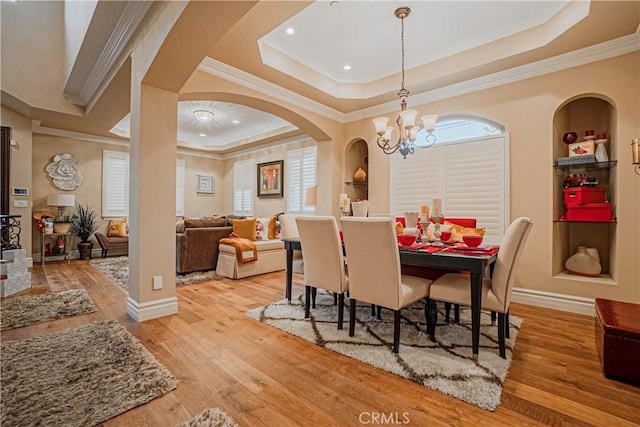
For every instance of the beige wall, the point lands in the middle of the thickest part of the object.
(527, 110)
(20, 175)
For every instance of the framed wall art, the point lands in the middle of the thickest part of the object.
(270, 181)
(205, 184)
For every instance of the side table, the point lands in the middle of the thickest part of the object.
(65, 255)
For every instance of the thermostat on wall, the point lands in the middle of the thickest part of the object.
(20, 191)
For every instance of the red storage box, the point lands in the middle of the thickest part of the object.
(585, 195)
(594, 212)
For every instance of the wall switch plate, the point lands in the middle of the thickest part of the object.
(20, 191)
(20, 203)
(157, 282)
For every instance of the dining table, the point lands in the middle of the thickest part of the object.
(475, 262)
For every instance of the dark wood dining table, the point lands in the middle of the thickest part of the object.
(475, 264)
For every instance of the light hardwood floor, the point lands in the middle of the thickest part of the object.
(263, 377)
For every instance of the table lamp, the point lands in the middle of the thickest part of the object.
(61, 201)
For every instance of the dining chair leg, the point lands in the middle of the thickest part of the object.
(501, 333)
(432, 313)
(314, 291)
(493, 318)
(352, 317)
(378, 312)
(307, 301)
(373, 310)
(335, 298)
(396, 331)
(427, 319)
(506, 324)
(340, 310)
(456, 315)
(447, 309)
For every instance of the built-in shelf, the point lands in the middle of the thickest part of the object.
(603, 279)
(588, 165)
(362, 183)
(613, 221)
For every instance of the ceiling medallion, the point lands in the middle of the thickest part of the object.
(203, 116)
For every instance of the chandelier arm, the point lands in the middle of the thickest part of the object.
(429, 140)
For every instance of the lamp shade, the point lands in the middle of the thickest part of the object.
(408, 118)
(61, 200)
(429, 121)
(381, 124)
(311, 198)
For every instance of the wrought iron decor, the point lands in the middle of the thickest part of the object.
(9, 232)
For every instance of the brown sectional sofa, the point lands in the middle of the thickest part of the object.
(197, 242)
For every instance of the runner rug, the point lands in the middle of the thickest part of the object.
(117, 269)
(16, 312)
(78, 377)
(445, 365)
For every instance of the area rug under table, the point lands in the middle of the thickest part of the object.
(211, 417)
(16, 312)
(117, 269)
(445, 365)
(78, 377)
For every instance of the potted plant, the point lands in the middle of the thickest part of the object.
(83, 225)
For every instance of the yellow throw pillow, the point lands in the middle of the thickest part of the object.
(118, 228)
(457, 231)
(245, 228)
(271, 232)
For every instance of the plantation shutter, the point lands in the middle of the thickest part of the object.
(301, 174)
(243, 188)
(115, 184)
(180, 182)
(471, 178)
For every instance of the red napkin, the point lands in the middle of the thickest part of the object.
(481, 250)
(421, 247)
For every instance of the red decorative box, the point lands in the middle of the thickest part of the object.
(593, 212)
(585, 195)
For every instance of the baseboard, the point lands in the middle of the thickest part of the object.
(151, 309)
(570, 303)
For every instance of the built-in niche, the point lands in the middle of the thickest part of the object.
(589, 112)
(356, 156)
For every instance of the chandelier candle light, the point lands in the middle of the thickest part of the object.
(406, 121)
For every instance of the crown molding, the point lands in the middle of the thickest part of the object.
(599, 52)
(127, 24)
(37, 128)
(227, 72)
(280, 144)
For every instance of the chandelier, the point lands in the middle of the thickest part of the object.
(406, 121)
(203, 116)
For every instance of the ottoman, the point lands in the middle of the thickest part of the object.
(617, 327)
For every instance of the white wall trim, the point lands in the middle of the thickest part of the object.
(36, 128)
(151, 309)
(570, 303)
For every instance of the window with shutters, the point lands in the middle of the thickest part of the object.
(243, 179)
(180, 174)
(115, 184)
(301, 174)
(471, 177)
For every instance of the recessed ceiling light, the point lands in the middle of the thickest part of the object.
(347, 67)
(290, 31)
(235, 122)
(203, 134)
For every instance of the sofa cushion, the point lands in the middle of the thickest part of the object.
(262, 228)
(245, 228)
(118, 228)
(180, 225)
(208, 221)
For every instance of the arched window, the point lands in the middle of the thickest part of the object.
(468, 168)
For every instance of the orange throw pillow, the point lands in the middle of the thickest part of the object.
(118, 228)
(271, 232)
(245, 228)
(457, 231)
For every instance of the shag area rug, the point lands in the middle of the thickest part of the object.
(80, 376)
(30, 309)
(445, 365)
(212, 417)
(117, 269)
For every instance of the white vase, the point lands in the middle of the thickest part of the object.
(601, 151)
(583, 264)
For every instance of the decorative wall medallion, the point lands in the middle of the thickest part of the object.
(64, 172)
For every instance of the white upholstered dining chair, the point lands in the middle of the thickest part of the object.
(324, 259)
(289, 230)
(496, 292)
(374, 270)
